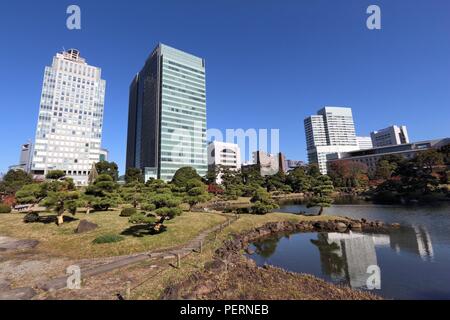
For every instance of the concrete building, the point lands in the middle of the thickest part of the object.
(26, 153)
(269, 164)
(371, 157)
(69, 128)
(390, 136)
(104, 154)
(223, 155)
(292, 164)
(331, 130)
(364, 143)
(167, 115)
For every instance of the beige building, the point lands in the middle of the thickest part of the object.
(69, 128)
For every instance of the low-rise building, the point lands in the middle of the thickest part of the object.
(370, 157)
(269, 164)
(292, 164)
(223, 155)
(393, 135)
(364, 143)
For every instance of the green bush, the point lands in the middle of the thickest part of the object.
(262, 207)
(243, 210)
(5, 208)
(108, 238)
(169, 212)
(127, 212)
(148, 206)
(142, 218)
(31, 217)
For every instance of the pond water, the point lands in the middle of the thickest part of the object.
(414, 261)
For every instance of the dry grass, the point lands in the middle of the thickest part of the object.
(63, 241)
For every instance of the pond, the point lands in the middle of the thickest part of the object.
(413, 261)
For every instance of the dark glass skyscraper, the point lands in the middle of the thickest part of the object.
(167, 115)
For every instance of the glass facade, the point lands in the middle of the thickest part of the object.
(167, 118)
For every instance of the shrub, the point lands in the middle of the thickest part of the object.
(5, 208)
(242, 210)
(262, 207)
(148, 206)
(168, 212)
(127, 212)
(55, 175)
(108, 238)
(31, 217)
(142, 218)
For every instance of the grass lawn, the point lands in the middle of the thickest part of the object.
(63, 241)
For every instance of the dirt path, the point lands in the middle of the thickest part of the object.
(20, 264)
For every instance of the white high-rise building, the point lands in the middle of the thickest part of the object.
(390, 136)
(332, 130)
(69, 129)
(224, 155)
(364, 143)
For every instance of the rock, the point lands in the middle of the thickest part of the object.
(215, 265)
(319, 225)
(340, 226)
(18, 294)
(10, 244)
(4, 285)
(355, 226)
(249, 251)
(86, 226)
(201, 290)
(31, 217)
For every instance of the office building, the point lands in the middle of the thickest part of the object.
(371, 157)
(69, 128)
(269, 164)
(167, 115)
(364, 143)
(390, 136)
(223, 155)
(24, 158)
(331, 130)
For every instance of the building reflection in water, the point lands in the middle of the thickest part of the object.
(345, 257)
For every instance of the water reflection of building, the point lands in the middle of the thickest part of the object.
(415, 239)
(346, 256)
(356, 252)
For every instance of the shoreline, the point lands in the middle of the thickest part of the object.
(232, 275)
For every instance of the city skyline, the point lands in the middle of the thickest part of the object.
(385, 68)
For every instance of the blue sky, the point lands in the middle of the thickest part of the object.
(269, 63)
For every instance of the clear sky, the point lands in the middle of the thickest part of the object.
(270, 63)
